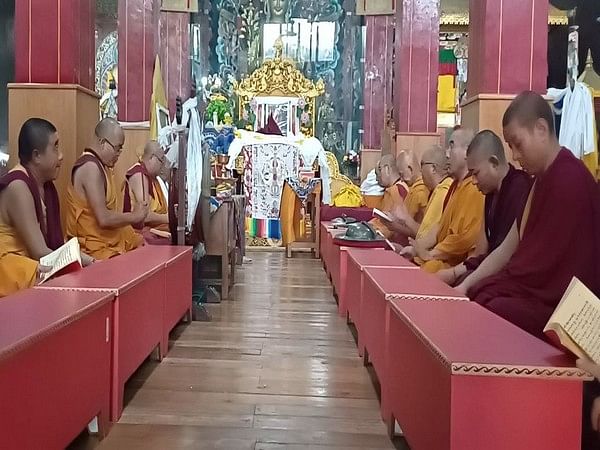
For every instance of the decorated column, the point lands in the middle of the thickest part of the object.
(508, 47)
(416, 74)
(54, 73)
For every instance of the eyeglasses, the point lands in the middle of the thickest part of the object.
(160, 160)
(116, 148)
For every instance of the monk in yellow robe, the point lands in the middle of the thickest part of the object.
(30, 225)
(418, 192)
(142, 185)
(449, 243)
(396, 190)
(94, 215)
(434, 169)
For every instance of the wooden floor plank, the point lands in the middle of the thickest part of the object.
(276, 369)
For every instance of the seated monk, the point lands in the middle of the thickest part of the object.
(396, 190)
(418, 192)
(93, 214)
(450, 242)
(434, 167)
(506, 190)
(141, 186)
(558, 235)
(30, 225)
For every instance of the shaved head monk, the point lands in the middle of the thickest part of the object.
(450, 242)
(93, 214)
(30, 225)
(558, 235)
(418, 192)
(506, 190)
(434, 169)
(396, 190)
(142, 186)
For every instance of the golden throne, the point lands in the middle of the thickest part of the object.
(277, 87)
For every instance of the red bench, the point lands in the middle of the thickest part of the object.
(357, 260)
(138, 280)
(55, 356)
(178, 264)
(463, 378)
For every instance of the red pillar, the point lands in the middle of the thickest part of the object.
(508, 50)
(416, 74)
(138, 45)
(417, 63)
(508, 45)
(175, 55)
(54, 42)
(378, 77)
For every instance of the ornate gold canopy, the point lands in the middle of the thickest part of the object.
(279, 77)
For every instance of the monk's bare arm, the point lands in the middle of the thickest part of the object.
(140, 188)
(91, 181)
(22, 216)
(495, 261)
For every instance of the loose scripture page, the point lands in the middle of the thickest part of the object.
(60, 258)
(576, 321)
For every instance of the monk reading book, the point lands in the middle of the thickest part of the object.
(142, 186)
(558, 235)
(450, 242)
(434, 167)
(418, 192)
(505, 189)
(396, 191)
(93, 214)
(30, 225)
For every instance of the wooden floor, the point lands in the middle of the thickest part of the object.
(277, 368)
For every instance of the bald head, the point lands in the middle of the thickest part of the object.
(485, 145)
(408, 166)
(457, 152)
(486, 161)
(109, 141)
(154, 158)
(387, 171)
(527, 109)
(434, 166)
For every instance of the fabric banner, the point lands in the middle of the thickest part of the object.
(264, 228)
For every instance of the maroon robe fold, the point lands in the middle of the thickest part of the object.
(502, 208)
(561, 240)
(271, 127)
(127, 203)
(53, 234)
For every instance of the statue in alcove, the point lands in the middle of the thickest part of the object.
(277, 11)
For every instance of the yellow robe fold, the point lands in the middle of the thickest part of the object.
(417, 199)
(100, 243)
(17, 270)
(435, 206)
(391, 198)
(459, 227)
(157, 202)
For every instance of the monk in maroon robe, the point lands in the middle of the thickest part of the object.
(30, 226)
(558, 235)
(506, 190)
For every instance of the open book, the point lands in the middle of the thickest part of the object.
(576, 322)
(63, 259)
(381, 214)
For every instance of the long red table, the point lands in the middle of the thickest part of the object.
(466, 379)
(138, 281)
(177, 261)
(55, 356)
(357, 260)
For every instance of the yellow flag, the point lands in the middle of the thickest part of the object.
(158, 98)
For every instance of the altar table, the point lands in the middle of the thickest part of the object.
(55, 362)
(139, 284)
(466, 379)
